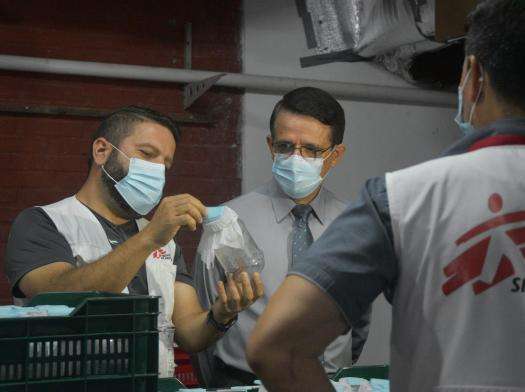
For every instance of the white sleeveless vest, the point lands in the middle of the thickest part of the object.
(88, 241)
(459, 307)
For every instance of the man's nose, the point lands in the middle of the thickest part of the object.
(297, 150)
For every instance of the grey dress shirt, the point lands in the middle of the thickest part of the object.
(266, 213)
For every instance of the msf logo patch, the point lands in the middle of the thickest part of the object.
(480, 267)
(161, 254)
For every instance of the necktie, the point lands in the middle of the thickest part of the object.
(302, 237)
(301, 234)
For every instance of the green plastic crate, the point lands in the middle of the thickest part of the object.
(169, 385)
(366, 372)
(108, 343)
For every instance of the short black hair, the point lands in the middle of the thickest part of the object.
(119, 124)
(496, 38)
(316, 103)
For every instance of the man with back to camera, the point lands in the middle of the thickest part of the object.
(284, 216)
(444, 238)
(98, 240)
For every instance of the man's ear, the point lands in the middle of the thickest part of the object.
(269, 142)
(475, 81)
(101, 151)
(337, 155)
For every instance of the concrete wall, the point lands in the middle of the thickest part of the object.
(380, 137)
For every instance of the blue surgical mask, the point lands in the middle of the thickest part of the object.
(466, 127)
(143, 185)
(297, 176)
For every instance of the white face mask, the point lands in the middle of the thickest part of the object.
(297, 176)
(143, 185)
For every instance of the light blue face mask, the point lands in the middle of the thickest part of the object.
(466, 127)
(143, 185)
(297, 176)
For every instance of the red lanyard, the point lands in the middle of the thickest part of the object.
(497, 140)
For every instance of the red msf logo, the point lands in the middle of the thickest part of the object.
(159, 253)
(469, 265)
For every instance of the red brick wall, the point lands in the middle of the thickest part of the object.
(43, 159)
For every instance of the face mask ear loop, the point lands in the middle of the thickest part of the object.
(324, 160)
(119, 150)
(476, 102)
(467, 76)
(329, 155)
(107, 174)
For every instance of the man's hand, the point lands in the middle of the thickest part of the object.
(173, 213)
(235, 296)
(192, 331)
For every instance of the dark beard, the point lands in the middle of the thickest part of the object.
(116, 201)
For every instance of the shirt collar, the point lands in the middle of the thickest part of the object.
(508, 126)
(282, 204)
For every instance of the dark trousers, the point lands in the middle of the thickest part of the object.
(228, 376)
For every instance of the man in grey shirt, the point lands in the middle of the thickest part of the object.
(284, 217)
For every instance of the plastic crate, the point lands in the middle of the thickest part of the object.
(108, 343)
(366, 372)
(184, 370)
(169, 385)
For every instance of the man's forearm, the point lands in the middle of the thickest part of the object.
(289, 373)
(111, 273)
(298, 324)
(194, 334)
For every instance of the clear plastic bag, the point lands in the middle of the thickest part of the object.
(227, 241)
